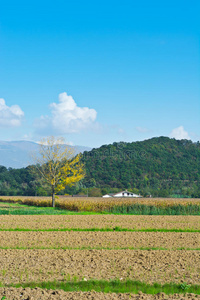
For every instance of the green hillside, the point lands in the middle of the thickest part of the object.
(158, 167)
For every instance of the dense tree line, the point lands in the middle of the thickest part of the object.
(22, 182)
(158, 167)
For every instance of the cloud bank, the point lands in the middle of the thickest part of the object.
(10, 116)
(66, 117)
(179, 133)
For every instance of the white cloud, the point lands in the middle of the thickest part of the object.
(10, 116)
(142, 129)
(179, 133)
(66, 117)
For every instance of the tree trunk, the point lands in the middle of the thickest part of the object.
(53, 196)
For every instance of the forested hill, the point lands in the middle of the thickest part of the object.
(155, 164)
(158, 167)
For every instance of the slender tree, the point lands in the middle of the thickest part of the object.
(57, 164)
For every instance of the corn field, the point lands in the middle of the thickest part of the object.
(114, 205)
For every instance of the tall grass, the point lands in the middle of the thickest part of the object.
(140, 209)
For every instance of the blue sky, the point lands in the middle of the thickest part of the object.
(96, 72)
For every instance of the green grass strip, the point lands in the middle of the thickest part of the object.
(101, 229)
(44, 211)
(96, 248)
(114, 286)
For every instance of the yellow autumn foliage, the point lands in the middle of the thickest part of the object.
(57, 164)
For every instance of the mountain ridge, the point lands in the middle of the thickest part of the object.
(17, 154)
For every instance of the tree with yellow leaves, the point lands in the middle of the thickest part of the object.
(58, 165)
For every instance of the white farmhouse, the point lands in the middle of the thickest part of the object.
(122, 194)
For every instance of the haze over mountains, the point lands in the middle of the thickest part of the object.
(17, 154)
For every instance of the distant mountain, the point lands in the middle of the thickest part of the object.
(17, 154)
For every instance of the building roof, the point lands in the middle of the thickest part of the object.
(114, 194)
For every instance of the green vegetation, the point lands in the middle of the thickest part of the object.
(7, 208)
(43, 211)
(97, 248)
(113, 286)
(160, 167)
(18, 209)
(141, 209)
(103, 229)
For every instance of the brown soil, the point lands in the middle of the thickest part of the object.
(169, 240)
(150, 266)
(44, 294)
(48, 265)
(99, 221)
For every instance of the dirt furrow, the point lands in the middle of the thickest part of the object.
(44, 294)
(167, 240)
(99, 221)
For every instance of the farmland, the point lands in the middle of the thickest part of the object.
(100, 256)
(101, 222)
(144, 206)
(159, 266)
(98, 240)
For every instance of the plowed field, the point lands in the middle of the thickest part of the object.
(99, 221)
(37, 293)
(111, 240)
(149, 266)
(76, 255)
